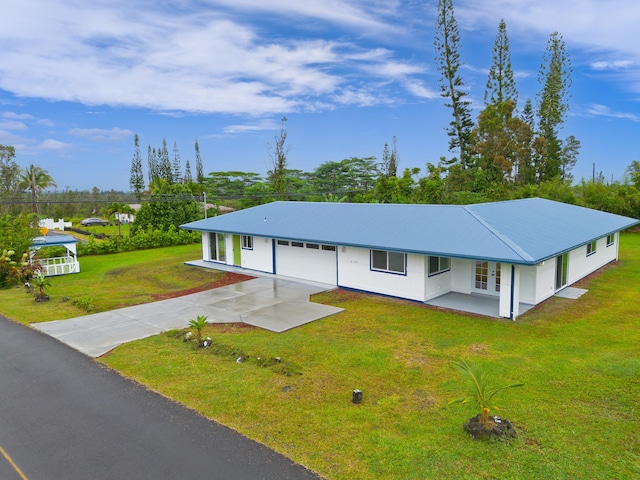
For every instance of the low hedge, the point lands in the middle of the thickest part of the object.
(142, 240)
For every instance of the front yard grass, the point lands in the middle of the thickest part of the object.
(578, 415)
(106, 282)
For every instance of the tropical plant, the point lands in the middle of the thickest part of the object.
(41, 284)
(36, 180)
(480, 390)
(198, 324)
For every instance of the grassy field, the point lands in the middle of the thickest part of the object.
(578, 415)
(111, 281)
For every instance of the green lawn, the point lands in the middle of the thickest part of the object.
(578, 415)
(111, 281)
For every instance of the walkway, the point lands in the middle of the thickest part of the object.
(274, 304)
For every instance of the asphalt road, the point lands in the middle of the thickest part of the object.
(65, 416)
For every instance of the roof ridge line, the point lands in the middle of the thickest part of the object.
(503, 238)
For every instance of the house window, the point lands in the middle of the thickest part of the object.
(611, 239)
(297, 244)
(392, 262)
(247, 242)
(313, 246)
(283, 242)
(329, 248)
(439, 265)
(591, 248)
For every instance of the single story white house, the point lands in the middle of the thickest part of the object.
(518, 251)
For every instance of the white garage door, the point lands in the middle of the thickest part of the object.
(309, 261)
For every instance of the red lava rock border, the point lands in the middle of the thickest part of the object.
(229, 278)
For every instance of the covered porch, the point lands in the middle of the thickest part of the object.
(487, 305)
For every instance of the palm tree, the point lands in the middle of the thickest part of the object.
(479, 389)
(35, 179)
(118, 208)
(198, 324)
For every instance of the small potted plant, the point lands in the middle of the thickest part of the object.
(40, 286)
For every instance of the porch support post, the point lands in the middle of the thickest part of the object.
(510, 291)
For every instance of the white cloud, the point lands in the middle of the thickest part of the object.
(604, 111)
(263, 125)
(611, 65)
(590, 28)
(17, 116)
(12, 125)
(183, 57)
(54, 145)
(102, 135)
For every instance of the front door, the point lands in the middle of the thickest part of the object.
(237, 251)
(487, 277)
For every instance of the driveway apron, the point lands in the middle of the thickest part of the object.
(270, 303)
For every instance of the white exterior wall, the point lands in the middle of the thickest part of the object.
(354, 266)
(528, 284)
(461, 275)
(545, 280)
(260, 257)
(436, 285)
(580, 265)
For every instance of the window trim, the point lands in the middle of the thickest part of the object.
(440, 268)
(387, 270)
(611, 239)
(247, 242)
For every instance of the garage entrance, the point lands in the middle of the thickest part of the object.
(309, 261)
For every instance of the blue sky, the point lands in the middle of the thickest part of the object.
(78, 79)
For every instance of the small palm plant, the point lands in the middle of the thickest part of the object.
(41, 285)
(198, 324)
(480, 391)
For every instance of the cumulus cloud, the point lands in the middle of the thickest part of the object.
(221, 58)
(12, 125)
(54, 145)
(611, 65)
(604, 111)
(101, 135)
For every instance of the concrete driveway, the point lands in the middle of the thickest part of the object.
(271, 303)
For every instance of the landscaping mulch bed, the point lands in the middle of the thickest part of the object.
(229, 278)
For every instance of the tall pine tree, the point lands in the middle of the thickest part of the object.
(152, 164)
(553, 103)
(500, 85)
(136, 180)
(452, 87)
(177, 165)
(165, 170)
(199, 168)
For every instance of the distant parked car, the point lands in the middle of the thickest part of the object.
(90, 222)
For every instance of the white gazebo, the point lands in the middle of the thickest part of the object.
(56, 265)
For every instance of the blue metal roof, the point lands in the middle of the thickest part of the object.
(53, 240)
(525, 231)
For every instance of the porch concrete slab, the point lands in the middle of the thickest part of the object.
(486, 305)
(271, 303)
(287, 315)
(572, 293)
